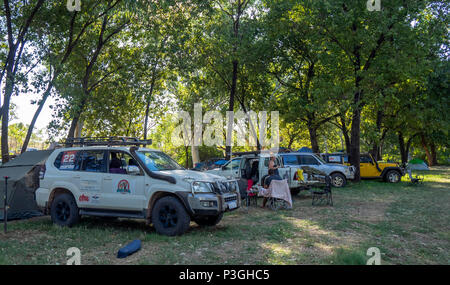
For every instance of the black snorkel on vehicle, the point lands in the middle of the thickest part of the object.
(150, 173)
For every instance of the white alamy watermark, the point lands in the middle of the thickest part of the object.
(240, 129)
(375, 254)
(75, 256)
(73, 5)
(374, 5)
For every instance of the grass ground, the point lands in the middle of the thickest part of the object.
(409, 224)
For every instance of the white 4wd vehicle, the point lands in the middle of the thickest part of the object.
(131, 182)
(339, 173)
(242, 166)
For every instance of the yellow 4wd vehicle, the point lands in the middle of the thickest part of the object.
(370, 168)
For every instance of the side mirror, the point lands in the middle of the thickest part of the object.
(133, 170)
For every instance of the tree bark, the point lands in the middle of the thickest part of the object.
(186, 149)
(36, 115)
(11, 65)
(147, 108)
(231, 109)
(313, 138)
(345, 134)
(195, 154)
(433, 153)
(427, 151)
(402, 148)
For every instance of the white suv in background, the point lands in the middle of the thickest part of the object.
(131, 182)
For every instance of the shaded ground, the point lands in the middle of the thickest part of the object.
(409, 224)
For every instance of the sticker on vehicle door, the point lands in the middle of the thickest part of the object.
(89, 185)
(123, 187)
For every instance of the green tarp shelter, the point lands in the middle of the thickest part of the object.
(23, 173)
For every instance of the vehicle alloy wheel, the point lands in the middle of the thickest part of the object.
(393, 176)
(169, 217)
(64, 210)
(338, 180)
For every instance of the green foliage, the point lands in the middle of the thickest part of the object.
(305, 59)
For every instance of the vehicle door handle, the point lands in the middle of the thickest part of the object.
(107, 178)
(77, 176)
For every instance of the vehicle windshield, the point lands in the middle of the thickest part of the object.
(319, 158)
(157, 161)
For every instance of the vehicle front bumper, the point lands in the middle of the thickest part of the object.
(210, 204)
(350, 175)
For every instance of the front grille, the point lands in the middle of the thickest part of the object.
(222, 187)
(232, 198)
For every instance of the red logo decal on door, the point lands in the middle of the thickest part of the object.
(123, 187)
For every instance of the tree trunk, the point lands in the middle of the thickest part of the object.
(195, 154)
(403, 151)
(433, 153)
(147, 109)
(36, 115)
(355, 144)
(229, 138)
(73, 127)
(186, 149)
(79, 128)
(427, 151)
(5, 116)
(313, 138)
(345, 134)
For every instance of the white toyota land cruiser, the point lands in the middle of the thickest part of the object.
(108, 180)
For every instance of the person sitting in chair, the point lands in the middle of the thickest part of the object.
(273, 175)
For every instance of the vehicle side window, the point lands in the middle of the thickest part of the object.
(68, 160)
(365, 159)
(290, 160)
(308, 160)
(234, 164)
(345, 159)
(119, 162)
(93, 161)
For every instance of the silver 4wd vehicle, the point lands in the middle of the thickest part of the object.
(339, 173)
(242, 166)
(131, 182)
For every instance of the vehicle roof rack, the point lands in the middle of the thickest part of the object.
(105, 141)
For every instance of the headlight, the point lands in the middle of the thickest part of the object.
(201, 187)
(234, 187)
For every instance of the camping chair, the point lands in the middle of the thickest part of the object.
(252, 196)
(279, 195)
(415, 180)
(323, 196)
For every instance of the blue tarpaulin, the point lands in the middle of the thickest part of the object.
(305, 149)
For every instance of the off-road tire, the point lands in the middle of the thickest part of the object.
(392, 176)
(338, 180)
(169, 217)
(208, 220)
(64, 210)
